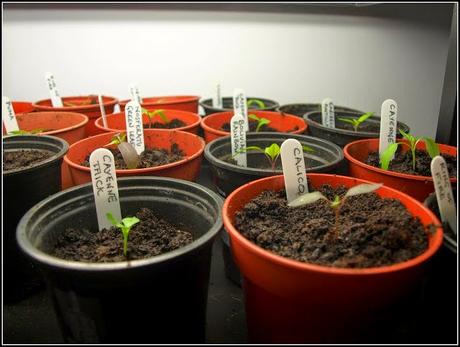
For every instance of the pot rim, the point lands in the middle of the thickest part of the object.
(387, 172)
(186, 98)
(44, 258)
(143, 170)
(203, 103)
(326, 270)
(112, 101)
(84, 120)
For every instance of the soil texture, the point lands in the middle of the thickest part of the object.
(17, 159)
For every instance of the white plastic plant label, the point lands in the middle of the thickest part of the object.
(116, 108)
(56, 100)
(327, 113)
(238, 139)
(134, 92)
(105, 187)
(293, 163)
(9, 117)
(102, 108)
(134, 126)
(217, 97)
(240, 106)
(388, 119)
(443, 190)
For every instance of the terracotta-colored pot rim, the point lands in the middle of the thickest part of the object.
(111, 102)
(98, 123)
(215, 131)
(186, 98)
(143, 170)
(352, 159)
(300, 266)
(84, 120)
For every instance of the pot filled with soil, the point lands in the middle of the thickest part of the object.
(31, 173)
(262, 104)
(169, 153)
(218, 124)
(363, 160)
(327, 272)
(188, 103)
(300, 109)
(22, 106)
(158, 289)
(344, 132)
(88, 105)
(169, 119)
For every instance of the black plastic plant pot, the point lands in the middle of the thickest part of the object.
(161, 299)
(227, 103)
(341, 137)
(300, 109)
(23, 188)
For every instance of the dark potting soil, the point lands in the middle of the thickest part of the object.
(151, 157)
(369, 127)
(150, 237)
(24, 158)
(253, 127)
(402, 162)
(173, 123)
(369, 232)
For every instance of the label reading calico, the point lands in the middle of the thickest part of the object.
(240, 106)
(56, 100)
(327, 113)
(9, 118)
(105, 187)
(388, 121)
(293, 162)
(134, 126)
(238, 138)
(443, 190)
(134, 92)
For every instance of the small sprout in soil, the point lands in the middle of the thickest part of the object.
(116, 140)
(125, 226)
(258, 102)
(272, 152)
(25, 132)
(431, 147)
(152, 114)
(260, 121)
(128, 152)
(356, 121)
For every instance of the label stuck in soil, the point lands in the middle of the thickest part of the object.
(388, 119)
(443, 190)
(56, 100)
(240, 106)
(217, 98)
(238, 139)
(134, 92)
(293, 162)
(101, 106)
(134, 126)
(105, 187)
(9, 117)
(327, 113)
(116, 108)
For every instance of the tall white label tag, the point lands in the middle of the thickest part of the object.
(443, 190)
(101, 106)
(134, 92)
(105, 187)
(388, 121)
(134, 126)
(217, 98)
(293, 162)
(327, 113)
(56, 100)
(240, 106)
(9, 117)
(238, 139)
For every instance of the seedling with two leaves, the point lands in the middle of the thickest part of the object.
(356, 122)
(258, 102)
(125, 226)
(26, 132)
(128, 152)
(260, 121)
(152, 114)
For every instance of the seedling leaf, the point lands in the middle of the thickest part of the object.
(259, 103)
(431, 147)
(387, 155)
(308, 198)
(273, 151)
(336, 202)
(365, 116)
(307, 148)
(363, 189)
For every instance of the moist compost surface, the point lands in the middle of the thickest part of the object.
(17, 159)
(253, 127)
(151, 157)
(369, 231)
(150, 237)
(173, 123)
(402, 162)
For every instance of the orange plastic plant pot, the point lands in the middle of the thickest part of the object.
(187, 103)
(418, 187)
(186, 169)
(282, 122)
(93, 111)
(22, 106)
(117, 121)
(294, 302)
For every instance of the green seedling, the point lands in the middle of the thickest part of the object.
(25, 132)
(431, 147)
(356, 121)
(272, 152)
(260, 121)
(258, 102)
(116, 140)
(128, 152)
(125, 226)
(152, 114)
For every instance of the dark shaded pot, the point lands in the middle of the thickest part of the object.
(160, 299)
(23, 188)
(227, 102)
(342, 137)
(300, 109)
